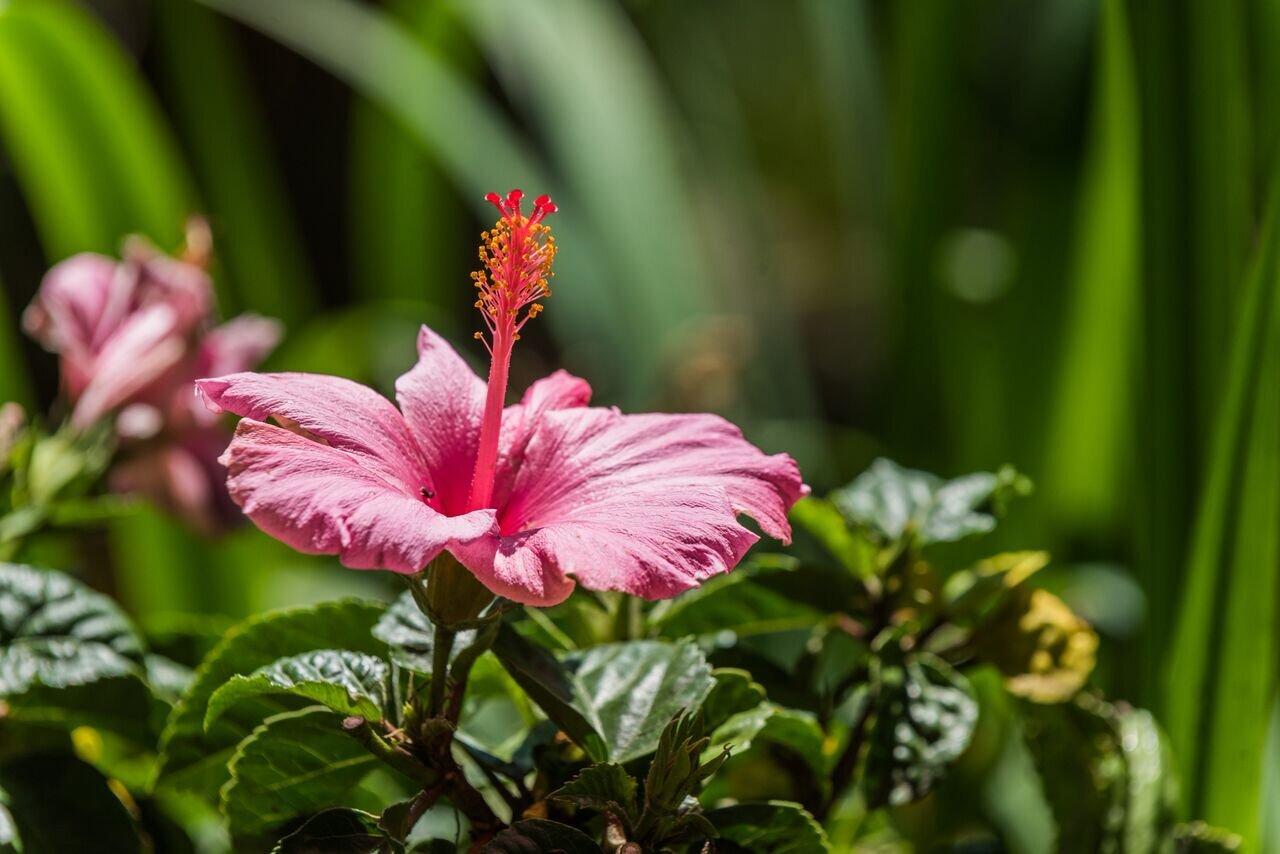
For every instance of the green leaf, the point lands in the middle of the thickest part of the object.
(925, 716)
(554, 689)
(735, 692)
(773, 827)
(119, 704)
(897, 502)
(294, 763)
(411, 635)
(824, 521)
(57, 632)
(604, 788)
(338, 831)
(1106, 772)
(535, 834)
(634, 689)
(350, 683)
(167, 677)
(738, 604)
(59, 803)
(971, 593)
(612, 700)
(193, 758)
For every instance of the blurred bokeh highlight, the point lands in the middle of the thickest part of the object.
(959, 233)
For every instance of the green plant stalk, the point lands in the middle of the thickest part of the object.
(440, 651)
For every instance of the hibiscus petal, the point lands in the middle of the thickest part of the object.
(238, 345)
(140, 352)
(65, 314)
(560, 390)
(642, 503)
(323, 500)
(443, 401)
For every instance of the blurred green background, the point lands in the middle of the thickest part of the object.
(955, 232)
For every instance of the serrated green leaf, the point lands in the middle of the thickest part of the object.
(774, 827)
(194, 759)
(604, 788)
(57, 632)
(292, 764)
(411, 635)
(530, 835)
(896, 502)
(737, 733)
(59, 803)
(338, 831)
(350, 683)
(167, 677)
(925, 716)
(635, 688)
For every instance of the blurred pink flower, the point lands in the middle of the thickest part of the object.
(530, 497)
(132, 336)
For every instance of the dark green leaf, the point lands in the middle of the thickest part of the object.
(120, 704)
(192, 758)
(411, 635)
(734, 692)
(57, 632)
(737, 604)
(294, 763)
(604, 788)
(350, 683)
(60, 804)
(167, 677)
(925, 715)
(774, 827)
(536, 836)
(635, 688)
(554, 688)
(897, 502)
(824, 521)
(338, 831)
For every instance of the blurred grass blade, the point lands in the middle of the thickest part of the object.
(405, 239)
(1221, 172)
(1221, 678)
(1088, 455)
(133, 148)
(258, 246)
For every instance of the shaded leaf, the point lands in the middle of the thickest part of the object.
(350, 683)
(535, 836)
(735, 692)
(972, 593)
(925, 716)
(338, 831)
(737, 604)
(293, 764)
(1196, 837)
(411, 635)
(774, 827)
(59, 803)
(554, 688)
(604, 788)
(192, 758)
(57, 632)
(898, 502)
(119, 704)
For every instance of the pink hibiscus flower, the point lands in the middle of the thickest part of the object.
(531, 498)
(132, 336)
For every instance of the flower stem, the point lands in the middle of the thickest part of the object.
(440, 651)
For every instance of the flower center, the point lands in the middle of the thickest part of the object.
(515, 259)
